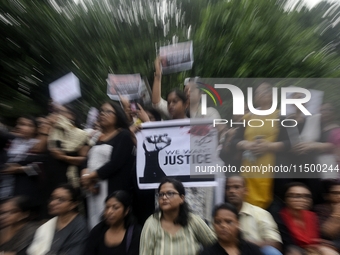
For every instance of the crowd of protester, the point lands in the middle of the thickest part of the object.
(64, 190)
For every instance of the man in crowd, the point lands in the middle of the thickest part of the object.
(257, 225)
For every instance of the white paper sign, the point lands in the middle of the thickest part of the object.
(126, 85)
(176, 57)
(175, 149)
(65, 89)
(92, 117)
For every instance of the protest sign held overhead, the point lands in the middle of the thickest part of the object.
(176, 148)
(126, 85)
(176, 57)
(65, 89)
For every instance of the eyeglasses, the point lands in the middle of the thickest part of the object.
(106, 112)
(59, 200)
(168, 194)
(299, 196)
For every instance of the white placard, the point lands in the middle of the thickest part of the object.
(175, 149)
(176, 57)
(92, 117)
(65, 89)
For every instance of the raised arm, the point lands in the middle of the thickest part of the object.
(156, 88)
(157, 101)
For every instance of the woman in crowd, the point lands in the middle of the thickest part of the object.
(307, 147)
(200, 199)
(299, 227)
(20, 174)
(191, 101)
(330, 134)
(191, 91)
(144, 199)
(329, 215)
(110, 161)
(229, 241)
(117, 233)
(66, 233)
(68, 147)
(16, 229)
(173, 229)
(260, 146)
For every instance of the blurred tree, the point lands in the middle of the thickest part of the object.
(43, 40)
(260, 39)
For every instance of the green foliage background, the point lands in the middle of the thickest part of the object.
(43, 40)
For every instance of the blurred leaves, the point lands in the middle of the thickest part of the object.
(43, 40)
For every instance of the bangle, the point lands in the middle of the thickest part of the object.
(157, 75)
(85, 175)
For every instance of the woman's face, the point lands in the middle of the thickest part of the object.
(61, 202)
(10, 214)
(226, 225)
(334, 194)
(176, 106)
(114, 212)
(169, 199)
(25, 128)
(298, 198)
(107, 116)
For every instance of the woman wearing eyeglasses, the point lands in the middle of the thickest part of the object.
(65, 234)
(173, 230)
(110, 161)
(298, 226)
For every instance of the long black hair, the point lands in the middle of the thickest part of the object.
(154, 112)
(183, 215)
(121, 119)
(124, 198)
